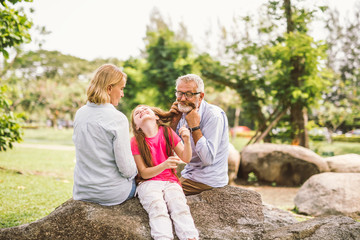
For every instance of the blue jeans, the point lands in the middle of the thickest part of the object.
(133, 189)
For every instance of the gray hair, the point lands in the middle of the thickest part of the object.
(192, 78)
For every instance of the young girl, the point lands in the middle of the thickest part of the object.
(159, 191)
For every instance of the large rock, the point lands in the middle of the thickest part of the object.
(330, 194)
(275, 218)
(233, 162)
(347, 163)
(285, 165)
(324, 228)
(222, 213)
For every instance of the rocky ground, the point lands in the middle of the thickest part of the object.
(278, 196)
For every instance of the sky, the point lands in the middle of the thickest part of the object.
(92, 29)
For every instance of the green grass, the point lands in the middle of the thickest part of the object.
(48, 136)
(239, 143)
(25, 198)
(45, 162)
(33, 182)
(338, 148)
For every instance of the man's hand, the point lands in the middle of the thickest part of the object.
(193, 118)
(177, 115)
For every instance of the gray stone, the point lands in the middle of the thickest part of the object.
(275, 218)
(285, 165)
(233, 163)
(330, 194)
(347, 163)
(322, 228)
(222, 213)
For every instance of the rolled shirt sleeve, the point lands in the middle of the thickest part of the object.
(207, 146)
(122, 150)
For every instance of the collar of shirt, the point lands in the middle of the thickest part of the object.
(94, 105)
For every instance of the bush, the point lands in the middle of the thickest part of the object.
(317, 137)
(10, 128)
(342, 138)
(252, 177)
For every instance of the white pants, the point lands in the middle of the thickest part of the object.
(159, 198)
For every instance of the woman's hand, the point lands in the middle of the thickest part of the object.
(184, 133)
(171, 162)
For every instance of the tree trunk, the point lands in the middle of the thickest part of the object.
(298, 114)
(237, 116)
(271, 125)
(236, 120)
(299, 121)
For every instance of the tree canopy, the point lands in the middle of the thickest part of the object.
(14, 30)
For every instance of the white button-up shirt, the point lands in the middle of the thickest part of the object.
(209, 162)
(105, 168)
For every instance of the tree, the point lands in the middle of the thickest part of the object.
(14, 30)
(276, 70)
(340, 105)
(168, 56)
(136, 91)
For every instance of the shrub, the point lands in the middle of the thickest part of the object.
(343, 138)
(10, 128)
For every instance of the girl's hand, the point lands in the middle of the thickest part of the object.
(171, 162)
(184, 133)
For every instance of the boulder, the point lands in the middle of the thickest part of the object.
(285, 165)
(222, 213)
(275, 218)
(347, 163)
(330, 194)
(331, 227)
(233, 162)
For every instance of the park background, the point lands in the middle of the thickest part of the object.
(291, 77)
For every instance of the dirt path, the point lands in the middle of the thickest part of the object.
(281, 197)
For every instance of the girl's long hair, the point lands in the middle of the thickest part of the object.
(164, 120)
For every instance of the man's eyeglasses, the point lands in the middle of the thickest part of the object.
(188, 95)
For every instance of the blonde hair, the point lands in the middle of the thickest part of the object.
(105, 76)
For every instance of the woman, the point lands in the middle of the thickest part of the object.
(105, 169)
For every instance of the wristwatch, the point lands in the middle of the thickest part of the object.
(194, 129)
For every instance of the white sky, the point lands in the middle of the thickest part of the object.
(116, 28)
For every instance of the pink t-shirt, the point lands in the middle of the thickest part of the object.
(157, 146)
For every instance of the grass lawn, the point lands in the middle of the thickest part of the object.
(48, 136)
(25, 198)
(337, 148)
(33, 182)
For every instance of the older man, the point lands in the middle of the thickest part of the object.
(208, 124)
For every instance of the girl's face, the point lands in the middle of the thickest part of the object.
(142, 114)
